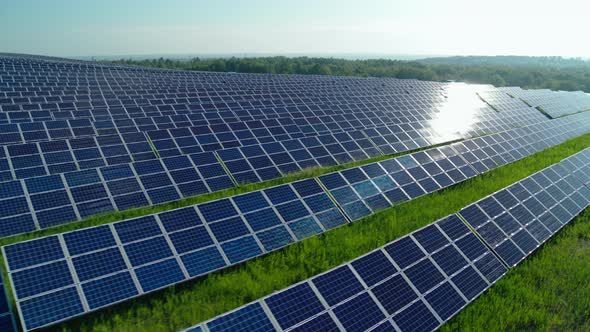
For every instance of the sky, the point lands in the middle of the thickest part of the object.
(381, 27)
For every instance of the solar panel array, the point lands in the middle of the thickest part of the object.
(46, 201)
(418, 282)
(7, 323)
(554, 103)
(140, 255)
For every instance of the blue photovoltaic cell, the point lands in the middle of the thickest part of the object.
(250, 202)
(331, 218)
(262, 219)
(6, 318)
(190, 239)
(33, 281)
(52, 307)
(229, 229)
(292, 210)
(424, 275)
(217, 210)
(359, 314)
(179, 219)
(274, 238)
(337, 285)
(430, 238)
(394, 294)
(250, 318)
(44, 183)
(449, 260)
(356, 210)
(99, 263)
(469, 283)
(159, 274)
(241, 249)
(374, 267)
(404, 252)
(203, 261)
(305, 227)
(136, 229)
(280, 194)
(417, 317)
(29, 253)
(146, 251)
(109, 290)
(445, 301)
(294, 305)
(90, 239)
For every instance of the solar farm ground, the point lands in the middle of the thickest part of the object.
(546, 291)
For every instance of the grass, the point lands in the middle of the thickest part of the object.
(192, 302)
(549, 291)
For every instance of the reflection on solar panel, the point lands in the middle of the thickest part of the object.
(6, 318)
(415, 283)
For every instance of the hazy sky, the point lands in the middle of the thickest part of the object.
(123, 27)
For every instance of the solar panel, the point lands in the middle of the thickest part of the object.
(379, 291)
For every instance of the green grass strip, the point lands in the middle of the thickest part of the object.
(193, 302)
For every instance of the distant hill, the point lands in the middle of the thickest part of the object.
(509, 60)
(553, 73)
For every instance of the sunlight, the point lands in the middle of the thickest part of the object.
(458, 113)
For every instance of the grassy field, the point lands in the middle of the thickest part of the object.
(192, 302)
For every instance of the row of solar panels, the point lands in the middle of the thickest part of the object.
(35, 99)
(554, 103)
(99, 266)
(41, 202)
(56, 156)
(313, 118)
(53, 157)
(304, 124)
(39, 94)
(421, 280)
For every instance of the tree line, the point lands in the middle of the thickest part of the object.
(554, 73)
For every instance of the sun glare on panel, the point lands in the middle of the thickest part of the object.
(458, 112)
